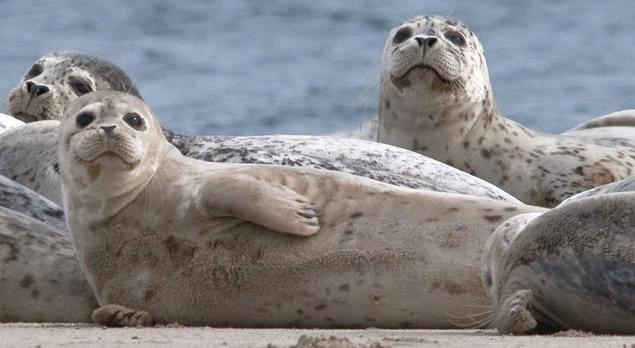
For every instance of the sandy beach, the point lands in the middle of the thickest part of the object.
(84, 335)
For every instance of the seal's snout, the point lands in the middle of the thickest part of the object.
(107, 130)
(426, 42)
(35, 89)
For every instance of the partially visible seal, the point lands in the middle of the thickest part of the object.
(58, 78)
(7, 122)
(40, 278)
(624, 185)
(162, 237)
(18, 198)
(570, 268)
(28, 156)
(436, 99)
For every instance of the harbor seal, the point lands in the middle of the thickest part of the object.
(178, 239)
(436, 99)
(569, 268)
(26, 154)
(624, 185)
(624, 118)
(16, 197)
(40, 278)
(58, 78)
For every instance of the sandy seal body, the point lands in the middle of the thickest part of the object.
(569, 268)
(218, 244)
(436, 99)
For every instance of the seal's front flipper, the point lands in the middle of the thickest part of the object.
(116, 315)
(513, 316)
(271, 205)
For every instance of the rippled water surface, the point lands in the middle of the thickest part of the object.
(312, 67)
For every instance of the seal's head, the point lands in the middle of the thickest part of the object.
(435, 58)
(110, 144)
(55, 80)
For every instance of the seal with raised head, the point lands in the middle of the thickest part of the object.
(162, 237)
(570, 268)
(436, 99)
(58, 78)
(26, 154)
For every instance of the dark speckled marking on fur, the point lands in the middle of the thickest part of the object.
(380, 162)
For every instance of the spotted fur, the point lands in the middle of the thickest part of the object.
(453, 118)
(58, 78)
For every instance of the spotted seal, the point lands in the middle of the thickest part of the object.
(26, 154)
(620, 124)
(16, 197)
(40, 278)
(436, 99)
(179, 239)
(56, 79)
(570, 268)
(624, 185)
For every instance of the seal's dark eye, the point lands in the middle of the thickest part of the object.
(84, 119)
(80, 87)
(402, 35)
(35, 70)
(135, 121)
(455, 38)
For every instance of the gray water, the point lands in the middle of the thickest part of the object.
(312, 67)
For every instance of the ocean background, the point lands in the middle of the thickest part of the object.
(312, 67)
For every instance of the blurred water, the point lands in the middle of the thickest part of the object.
(312, 67)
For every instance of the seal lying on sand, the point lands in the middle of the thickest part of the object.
(40, 279)
(178, 239)
(436, 99)
(570, 268)
(26, 154)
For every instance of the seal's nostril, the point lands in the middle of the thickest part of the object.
(427, 41)
(108, 129)
(36, 89)
(39, 90)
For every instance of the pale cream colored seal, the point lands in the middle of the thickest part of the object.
(164, 238)
(436, 99)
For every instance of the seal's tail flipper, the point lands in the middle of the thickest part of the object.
(514, 315)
